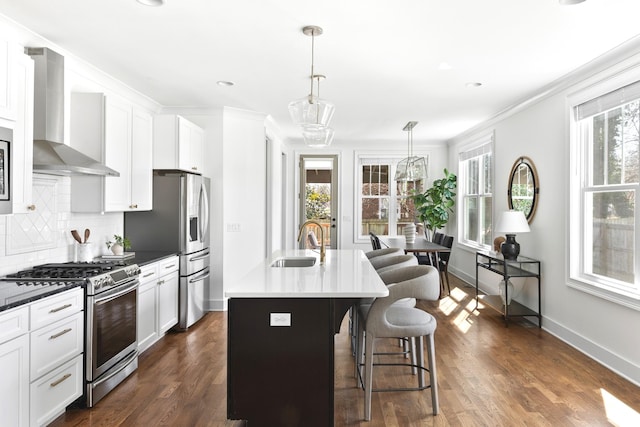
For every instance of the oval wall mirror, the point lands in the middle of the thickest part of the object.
(523, 187)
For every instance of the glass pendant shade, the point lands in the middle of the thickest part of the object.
(411, 169)
(311, 111)
(317, 137)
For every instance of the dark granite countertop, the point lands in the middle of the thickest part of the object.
(147, 257)
(14, 295)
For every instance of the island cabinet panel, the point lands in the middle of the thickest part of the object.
(281, 375)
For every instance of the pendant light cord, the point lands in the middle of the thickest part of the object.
(313, 39)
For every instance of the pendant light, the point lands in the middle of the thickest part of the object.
(314, 135)
(312, 113)
(412, 168)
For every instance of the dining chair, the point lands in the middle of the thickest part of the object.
(375, 241)
(443, 261)
(386, 319)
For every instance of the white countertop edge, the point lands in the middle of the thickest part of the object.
(346, 274)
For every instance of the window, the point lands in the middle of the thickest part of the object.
(382, 208)
(475, 188)
(604, 188)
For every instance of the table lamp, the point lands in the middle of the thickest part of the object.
(510, 223)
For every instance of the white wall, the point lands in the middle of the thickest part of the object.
(603, 330)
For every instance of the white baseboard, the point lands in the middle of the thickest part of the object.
(216, 305)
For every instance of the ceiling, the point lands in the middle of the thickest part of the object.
(386, 62)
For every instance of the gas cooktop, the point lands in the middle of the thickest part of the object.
(43, 280)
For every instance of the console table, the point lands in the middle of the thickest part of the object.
(520, 267)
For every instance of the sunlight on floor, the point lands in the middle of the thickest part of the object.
(451, 302)
(619, 413)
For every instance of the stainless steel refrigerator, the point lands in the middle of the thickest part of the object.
(178, 222)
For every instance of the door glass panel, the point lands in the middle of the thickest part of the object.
(317, 196)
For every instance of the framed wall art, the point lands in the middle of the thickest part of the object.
(4, 170)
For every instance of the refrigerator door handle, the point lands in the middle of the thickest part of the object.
(200, 277)
(200, 257)
(204, 212)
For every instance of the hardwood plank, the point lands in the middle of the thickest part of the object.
(489, 375)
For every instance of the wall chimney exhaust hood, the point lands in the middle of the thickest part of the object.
(50, 154)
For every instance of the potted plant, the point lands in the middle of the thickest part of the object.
(119, 245)
(436, 203)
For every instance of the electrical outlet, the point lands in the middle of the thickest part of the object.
(280, 319)
(233, 227)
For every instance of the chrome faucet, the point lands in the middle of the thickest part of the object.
(322, 248)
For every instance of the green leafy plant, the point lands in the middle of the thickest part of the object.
(119, 240)
(436, 203)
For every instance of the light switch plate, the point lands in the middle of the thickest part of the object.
(280, 319)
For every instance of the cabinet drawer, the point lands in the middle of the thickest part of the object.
(56, 307)
(13, 323)
(168, 266)
(148, 273)
(52, 393)
(52, 345)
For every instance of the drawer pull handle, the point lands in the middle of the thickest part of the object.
(160, 282)
(170, 266)
(59, 334)
(148, 274)
(64, 377)
(55, 310)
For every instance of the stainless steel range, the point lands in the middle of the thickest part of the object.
(111, 349)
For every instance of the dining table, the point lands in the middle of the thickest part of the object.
(420, 245)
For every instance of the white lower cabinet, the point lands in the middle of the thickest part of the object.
(14, 367)
(147, 306)
(51, 393)
(55, 365)
(157, 300)
(41, 346)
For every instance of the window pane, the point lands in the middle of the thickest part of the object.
(613, 234)
(471, 218)
(375, 180)
(375, 215)
(472, 176)
(487, 214)
(631, 139)
(487, 174)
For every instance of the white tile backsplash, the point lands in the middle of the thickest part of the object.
(27, 239)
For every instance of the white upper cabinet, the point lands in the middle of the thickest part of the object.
(23, 135)
(120, 135)
(178, 144)
(7, 93)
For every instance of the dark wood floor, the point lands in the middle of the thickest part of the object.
(489, 375)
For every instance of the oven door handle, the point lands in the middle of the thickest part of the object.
(116, 293)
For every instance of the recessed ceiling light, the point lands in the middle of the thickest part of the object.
(225, 83)
(473, 84)
(571, 1)
(151, 2)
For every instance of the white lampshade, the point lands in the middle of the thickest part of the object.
(512, 222)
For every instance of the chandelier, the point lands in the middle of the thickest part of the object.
(412, 168)
(313, 113)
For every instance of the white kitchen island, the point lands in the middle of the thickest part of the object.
(281, 327)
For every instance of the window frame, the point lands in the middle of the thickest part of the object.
(484, 144)
(383, 158)
(579, 163)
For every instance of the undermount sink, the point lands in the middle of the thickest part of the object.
(300, 261)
